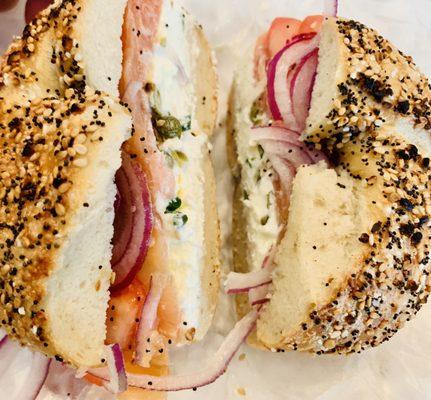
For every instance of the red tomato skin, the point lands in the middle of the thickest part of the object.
(313, 23)
(280, 32)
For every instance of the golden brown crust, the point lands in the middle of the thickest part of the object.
(40, 162)
(211, 273)
(379, 85)
(392, 284)
(206, 84)
(365, 140)
(50, 123)
(54, 27)
(232, 155)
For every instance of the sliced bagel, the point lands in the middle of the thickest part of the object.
(62, 129)
(352, 266)
(61, 141)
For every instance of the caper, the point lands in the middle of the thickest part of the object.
(167, 127)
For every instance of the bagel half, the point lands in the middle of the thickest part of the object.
(61, 141)
(351, 265)
(63, 131)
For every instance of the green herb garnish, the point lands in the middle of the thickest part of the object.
(261, 151)
(173, 205)
(264, 219)
(245, 194)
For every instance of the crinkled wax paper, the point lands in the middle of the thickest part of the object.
(398, 370)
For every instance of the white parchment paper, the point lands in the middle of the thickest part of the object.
(398, 370)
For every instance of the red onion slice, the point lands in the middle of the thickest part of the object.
(285, 152)
(302, 87)
(117, 370)
(62, 382)
(288, 137)
(23, 372)
(258, 295)
(148, 320)
(133, 224)
(34, 7)
(123, 222)
(285, 171)
(216, 366)
(271, 73)
(330, 8)
(293, 153)
(274, 132)
(242, 283)
(280, 70)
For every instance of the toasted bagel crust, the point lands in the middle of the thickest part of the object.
(370, 111)
(61, 142)
(54, 79)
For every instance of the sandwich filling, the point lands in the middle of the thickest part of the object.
(157, 265)
(272, 108)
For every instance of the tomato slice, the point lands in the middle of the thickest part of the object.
(313, 23)
(123, 314)
(282, 30)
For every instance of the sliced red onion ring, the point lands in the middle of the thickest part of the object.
(132, 225)
(117, 371)
(280, 73)
(123, 222)
(117, 202)
(216, 366)
(285, 171)
(293, 153)
(148, 320)
(242, 283)
(289, 137)
(330, 8)
(258, 295)
(301, 87)
(274, 132)
(62, 382)
(272, 66)
(34, 7)
(22, 372)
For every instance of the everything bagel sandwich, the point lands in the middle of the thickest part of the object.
(108, 224)
(329, 143)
